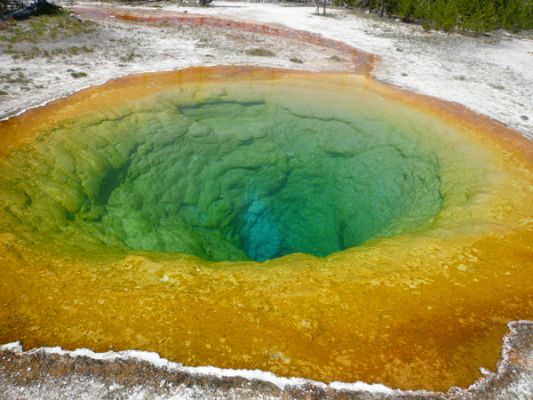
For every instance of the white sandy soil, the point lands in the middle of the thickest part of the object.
(118, 48)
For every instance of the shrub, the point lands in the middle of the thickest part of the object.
(449, 15)
(77, 75)
(259, 52)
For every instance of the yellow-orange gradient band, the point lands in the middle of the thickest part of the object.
(310, 224)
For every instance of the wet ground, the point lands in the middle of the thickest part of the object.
(54, 374)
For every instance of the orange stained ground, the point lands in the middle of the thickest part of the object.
(417, 311)
(361, 61)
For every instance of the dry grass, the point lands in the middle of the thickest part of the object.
(260, 52)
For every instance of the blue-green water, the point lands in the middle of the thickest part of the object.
(226, 180)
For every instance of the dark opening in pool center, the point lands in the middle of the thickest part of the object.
(231, 180)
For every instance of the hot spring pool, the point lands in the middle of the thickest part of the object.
(312, 225)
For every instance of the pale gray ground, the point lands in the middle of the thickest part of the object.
(43, 70)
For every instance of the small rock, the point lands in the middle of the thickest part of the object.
(524, 117)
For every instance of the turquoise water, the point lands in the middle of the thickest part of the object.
(226, 180)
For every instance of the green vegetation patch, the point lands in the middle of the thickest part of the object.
(260, 52)
(37, 36)
(78, 74)
(450, 15)
(15, 76)
(45, 28)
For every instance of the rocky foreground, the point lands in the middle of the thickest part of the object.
(55, 374)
